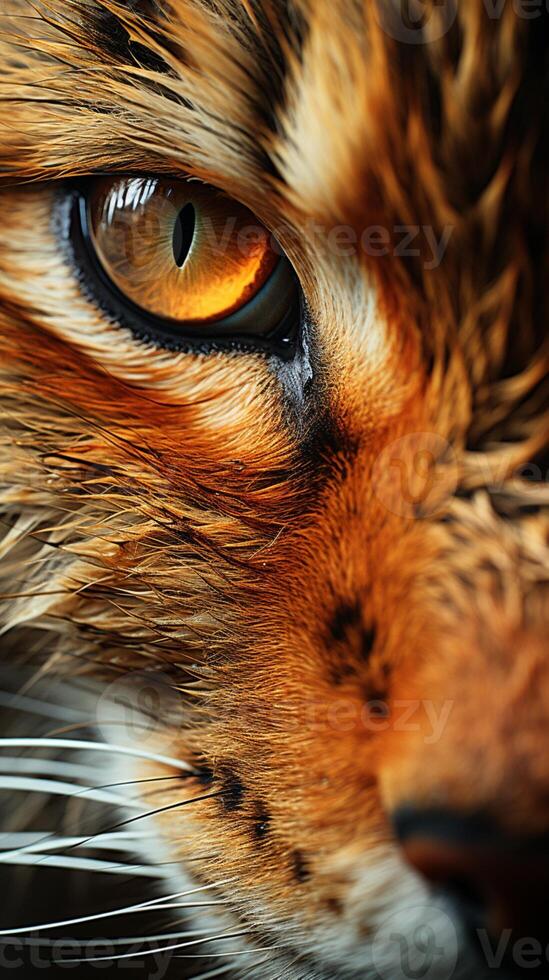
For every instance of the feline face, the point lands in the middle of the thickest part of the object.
(334, 554)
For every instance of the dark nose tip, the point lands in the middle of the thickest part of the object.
(498, 881)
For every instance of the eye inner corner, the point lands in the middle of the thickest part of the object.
(183, 234)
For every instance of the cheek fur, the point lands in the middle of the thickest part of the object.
(331, 573)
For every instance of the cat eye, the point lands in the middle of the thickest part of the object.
(179, 259)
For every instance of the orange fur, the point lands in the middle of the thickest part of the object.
(173, 511)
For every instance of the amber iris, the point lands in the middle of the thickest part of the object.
(179, 250)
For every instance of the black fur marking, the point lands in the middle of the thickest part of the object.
(232, 790)
(270, 90)
(261, 821)
(376, 692)
(300, 868)
(114, 40)
(334, 906)
(148, 58)
(328, 443)
(367, 642)
(346, 617)
(341, 672)
(109, 33)
(377, 704)
(205, 775)
(345, 627)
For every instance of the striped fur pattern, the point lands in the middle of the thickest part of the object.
(255, 533)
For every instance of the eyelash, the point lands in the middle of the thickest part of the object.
(282, 342)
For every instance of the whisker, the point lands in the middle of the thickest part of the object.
(151, 952)
(62, 743)
(188, 905)
(53, 767)
(128, 940)
(160, 809)
(29, 844)
(122, 802)
(83, 864)
(121, 841)
(21, 702)
(49, 840)
(151, 905)
(150, 779)
(108, 831)
(54, 787)
(232, 952)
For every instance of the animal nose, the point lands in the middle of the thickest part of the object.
(497, 881)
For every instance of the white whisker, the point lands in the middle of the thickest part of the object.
(82, 744)
(159, 809)
(83, 864)
(229, 952)
(151, 905)
(50, 767)
(127, 940)
(33, 843)
(36, 844)
(53, 787)
(153, 952)
(21, 702)
(134, 782)
(189, 905)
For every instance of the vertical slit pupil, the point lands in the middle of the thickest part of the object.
(183, 233)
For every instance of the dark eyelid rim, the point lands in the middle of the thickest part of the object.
(229, 334)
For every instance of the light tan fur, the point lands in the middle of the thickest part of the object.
(177, 512)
